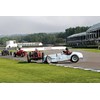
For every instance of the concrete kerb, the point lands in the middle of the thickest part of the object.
(89, 69)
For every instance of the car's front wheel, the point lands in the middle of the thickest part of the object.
(74, 58)
(48, 59)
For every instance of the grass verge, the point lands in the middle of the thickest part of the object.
(12, 71)
(88, 50)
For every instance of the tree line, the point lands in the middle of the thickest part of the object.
(45, 38)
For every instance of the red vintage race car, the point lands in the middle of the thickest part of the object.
(20, 53)
(35, 55)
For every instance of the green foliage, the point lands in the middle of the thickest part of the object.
(45, 38)
(71, 31)
(12, 71)
(3, 40)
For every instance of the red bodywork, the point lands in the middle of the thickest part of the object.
(20, 53)
(35, 55)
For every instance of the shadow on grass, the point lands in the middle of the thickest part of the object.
(25, 62)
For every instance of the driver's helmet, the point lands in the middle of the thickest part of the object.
(66, 49)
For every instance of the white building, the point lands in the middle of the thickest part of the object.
(30, 44)
(13, 44)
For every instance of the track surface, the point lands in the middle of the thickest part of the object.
(91, 60)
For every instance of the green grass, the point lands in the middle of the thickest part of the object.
(92, 50)
(12, 71)
(89, 50)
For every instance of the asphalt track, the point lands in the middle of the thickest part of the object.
(91, 61)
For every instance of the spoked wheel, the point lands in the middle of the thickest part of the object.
(74, 58)
(42, 57)
(48, 59)
(10, 53)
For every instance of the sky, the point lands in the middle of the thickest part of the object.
(34, 24)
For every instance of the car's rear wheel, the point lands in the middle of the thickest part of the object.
(48, 59)
(42, 57)
(74, 58)
(10, 53)
(30, 54)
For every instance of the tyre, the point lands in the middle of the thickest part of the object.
(30, 54)
(14, 54)
(10, 52)
(28, 59)
(48, 59)
(74, 58)
(42, 57)
(2, 53)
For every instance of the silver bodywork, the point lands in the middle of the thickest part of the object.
(62, 57)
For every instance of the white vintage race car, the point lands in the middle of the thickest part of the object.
(54, 58)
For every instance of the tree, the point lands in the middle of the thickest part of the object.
(45, 38)
(71, 31)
